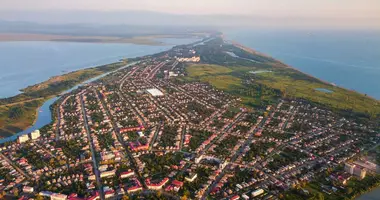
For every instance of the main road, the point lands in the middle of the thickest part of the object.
(120, 139)
(93, 153)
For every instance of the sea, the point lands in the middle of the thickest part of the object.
(347, 58)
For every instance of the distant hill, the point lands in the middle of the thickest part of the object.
(95, 30)
(149, 18)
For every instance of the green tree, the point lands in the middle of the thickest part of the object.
(320, 196)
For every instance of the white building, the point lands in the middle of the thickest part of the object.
(349, 168)
(191, 177)
(58, 197)
(22, 138)
(155, 92)
(107, 174)
(35, 134)
(28, 189)
(360, 172)
(192, 59)
(257, 192)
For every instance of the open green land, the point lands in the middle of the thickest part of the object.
(19, 112)
(236, 75)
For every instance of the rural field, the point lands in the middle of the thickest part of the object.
(273, 81)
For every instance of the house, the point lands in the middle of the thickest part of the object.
(127, 174)
(177, 185)
(95, 196)
(236, 197)
(74, 196)
(56, 196)
(191, 177)
(28, 189)
(109, 194)
(107, 174)
(156, 186)
(134, 189)
(257, 192)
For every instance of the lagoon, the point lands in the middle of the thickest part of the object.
(27, 63)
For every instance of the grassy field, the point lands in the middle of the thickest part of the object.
(204, 70)
(234, 75)
(19, 112)
(262, 88)
(339, 98)
(223, 82)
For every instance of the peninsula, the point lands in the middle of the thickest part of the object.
(208, 120)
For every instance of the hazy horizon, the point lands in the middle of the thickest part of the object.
(269, 13)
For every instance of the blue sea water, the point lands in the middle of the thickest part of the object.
(348, 58)
(27, 63)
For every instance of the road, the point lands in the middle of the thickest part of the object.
(93, 153)
(235, 156)
(120, 139)
(221, 134)
(57, 131)
(14, 166)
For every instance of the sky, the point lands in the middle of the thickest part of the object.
(347, 11)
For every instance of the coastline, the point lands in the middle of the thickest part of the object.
(248, 49)
(369, 190)
(73, 79)
(111, 71)
(30, 98)
(52, 97)
(34, 88)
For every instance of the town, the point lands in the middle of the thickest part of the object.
(148, 132)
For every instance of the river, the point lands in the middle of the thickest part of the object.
(44, 113)
(31, 63)
(372, 195)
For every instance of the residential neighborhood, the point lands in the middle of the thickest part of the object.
(148, 132)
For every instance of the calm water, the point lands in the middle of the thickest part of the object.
(44, 113)
(347, 58)
(373, 195)
(27, 63)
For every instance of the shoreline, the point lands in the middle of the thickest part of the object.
(238, 45)
(92, 72)
(149, 40)
(248, 49)
(369, 190)
(48, 98)
(10, 127)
